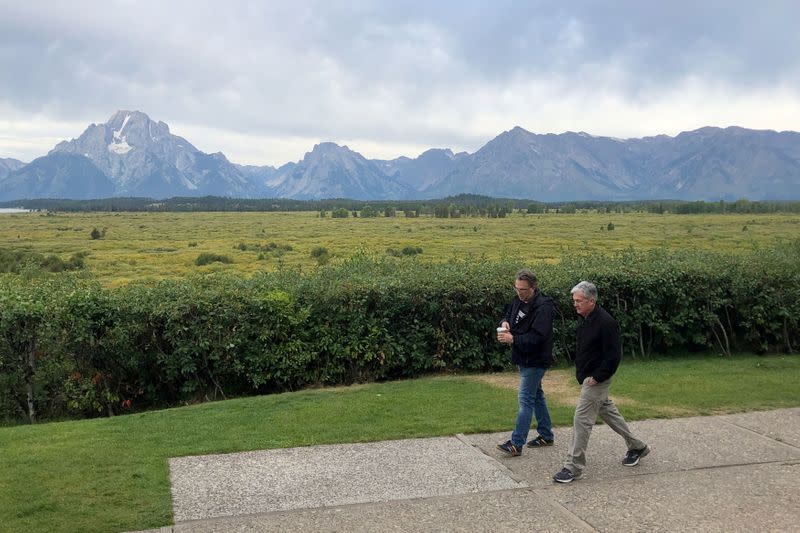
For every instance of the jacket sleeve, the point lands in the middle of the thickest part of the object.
(609, 334)
(509, 313)
(540, 331)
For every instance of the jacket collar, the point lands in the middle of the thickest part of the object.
(588, 319)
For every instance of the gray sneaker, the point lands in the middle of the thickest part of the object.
(566, 476)
(633, 456)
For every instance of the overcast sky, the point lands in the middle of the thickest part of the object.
(263, 81)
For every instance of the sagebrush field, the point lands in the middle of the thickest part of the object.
(142, 246)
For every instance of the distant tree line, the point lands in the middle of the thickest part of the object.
(462, 205)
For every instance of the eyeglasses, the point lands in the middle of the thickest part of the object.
(522, 289)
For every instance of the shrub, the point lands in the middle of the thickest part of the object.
(53, 263)
(411, 250)
(320, 254)
(32, 367)
(14, 261)
(368, 212)
(279, 247)
(318, 251)
(207, 258)
(68, 346)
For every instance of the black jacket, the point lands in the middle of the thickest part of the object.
(533, 332)
(598, 352)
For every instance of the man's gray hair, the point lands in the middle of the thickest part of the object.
(587, 288)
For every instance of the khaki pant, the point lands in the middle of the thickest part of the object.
(594, 401)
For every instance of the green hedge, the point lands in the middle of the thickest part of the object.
(69, 347)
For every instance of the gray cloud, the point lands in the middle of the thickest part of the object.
(397, 75)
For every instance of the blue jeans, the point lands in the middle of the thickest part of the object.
(531, 400)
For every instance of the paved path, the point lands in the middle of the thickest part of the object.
(723, 473)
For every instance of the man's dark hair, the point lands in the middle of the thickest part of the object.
(527, 275)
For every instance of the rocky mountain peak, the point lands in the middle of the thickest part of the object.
(518, 130)
(330, 149)
(516, 139)
(141, 157)
(124, 115)
(126, 130)
(329, 156)
(333, 171)
(8, 165)
(436, 153)
(327, 146)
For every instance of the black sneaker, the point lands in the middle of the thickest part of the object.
(633, 456)
(565, 476)
(539, 442)
(510, 448)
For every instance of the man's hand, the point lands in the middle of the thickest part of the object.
(505, 337)
(590, 381)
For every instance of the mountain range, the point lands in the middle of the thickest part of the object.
(132, 155)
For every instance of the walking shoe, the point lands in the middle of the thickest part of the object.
(633, 456)
(510, 448)
(539, 442)
(565, 476)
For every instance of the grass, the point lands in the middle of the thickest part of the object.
(140, 246)
(692, 386)
(112, 474)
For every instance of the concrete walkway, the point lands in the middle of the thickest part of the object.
(724, 473)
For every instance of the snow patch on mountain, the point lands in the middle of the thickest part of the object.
(120, 146)
(118, 133)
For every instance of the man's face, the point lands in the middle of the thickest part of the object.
(524, 290)
(583, 305)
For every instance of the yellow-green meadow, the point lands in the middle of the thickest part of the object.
(143, 245)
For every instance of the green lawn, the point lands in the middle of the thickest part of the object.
(112, 475)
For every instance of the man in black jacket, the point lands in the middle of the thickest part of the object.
(596, 359)
(528, 328)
